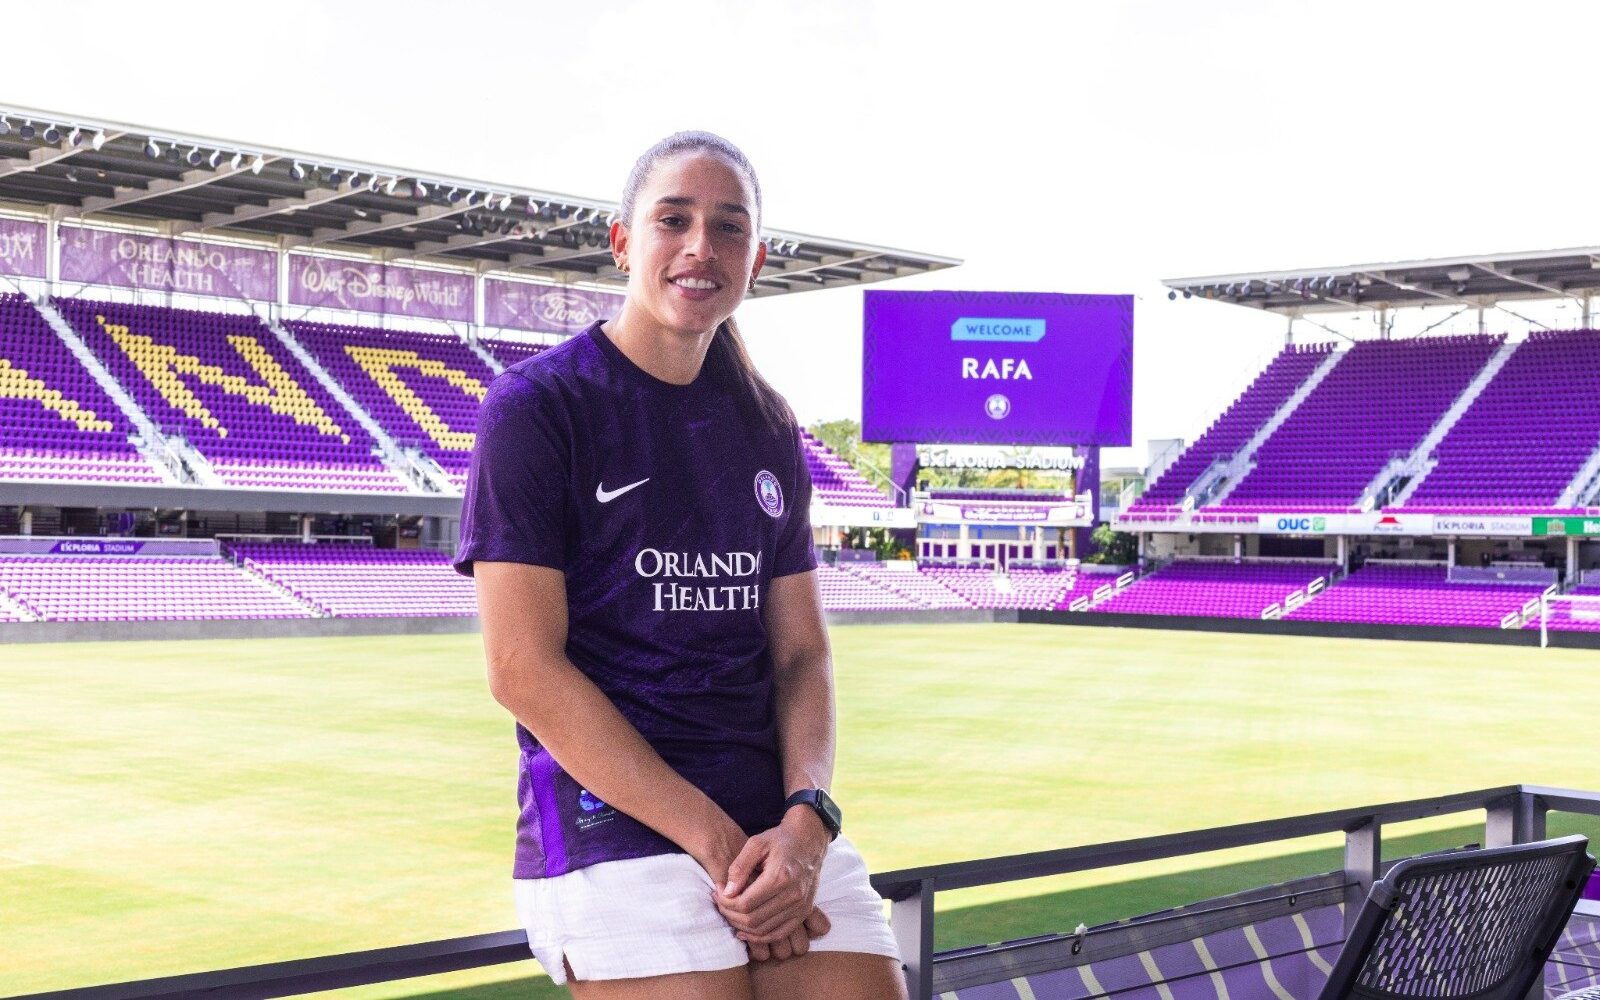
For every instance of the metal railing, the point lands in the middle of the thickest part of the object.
(1513, 814)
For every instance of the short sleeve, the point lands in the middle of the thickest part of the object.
(796, 554)
(515, 508)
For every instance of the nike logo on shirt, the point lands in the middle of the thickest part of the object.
(606, 496)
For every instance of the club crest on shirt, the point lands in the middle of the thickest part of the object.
(769, 494)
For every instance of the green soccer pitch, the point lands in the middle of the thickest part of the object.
(171, 807)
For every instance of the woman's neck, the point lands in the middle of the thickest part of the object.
(669, 355)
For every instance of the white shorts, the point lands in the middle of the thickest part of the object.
(655, 916)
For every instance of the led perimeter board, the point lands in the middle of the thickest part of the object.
(1023, 368)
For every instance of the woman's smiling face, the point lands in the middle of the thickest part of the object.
(691, 248)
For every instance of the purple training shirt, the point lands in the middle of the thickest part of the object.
(670, 512)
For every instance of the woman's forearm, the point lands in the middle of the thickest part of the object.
(805, 722)
(603, 752)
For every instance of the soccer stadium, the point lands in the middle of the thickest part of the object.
(1179, 731)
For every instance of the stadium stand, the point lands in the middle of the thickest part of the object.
(224, 385)
(358, 581)
(1375, 405)
(918, 588)
(847, 591)
(835, 481)
(1237, 425)
(1496, 455)
(1410, 594)
(113, 588)
(1214, 589)
(56, 422)
(509, 352)
(983, 588)
(423, 389)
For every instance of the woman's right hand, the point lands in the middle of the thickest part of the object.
(715, 852)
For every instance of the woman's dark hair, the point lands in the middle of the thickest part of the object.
(727, 356)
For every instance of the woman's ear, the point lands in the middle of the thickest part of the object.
(619, 245)
(761, 261)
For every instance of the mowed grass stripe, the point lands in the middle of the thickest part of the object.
(175, 807)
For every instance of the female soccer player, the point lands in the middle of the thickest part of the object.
(637, 521)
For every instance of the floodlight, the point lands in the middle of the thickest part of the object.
(257, 163)
(505, 203)
(297, 170)
(27, 131)
(5, 126)
(355, 180)
(453, 196)
(214, 159)
(193, 156)
(52, 134)
(98, 140)
(1171, 296)
(388, 188)
(152, 148)
(75, 137)
(420, 189)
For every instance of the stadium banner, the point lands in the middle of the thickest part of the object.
(1563, 526)
(1375, 523)
(46, 545)
(523, 305)
(944, 458)
(1511, 527)
(1060, 514)
(384, 289)
(163, 264)
(827, 516)
(22, 248)
(1019, 368)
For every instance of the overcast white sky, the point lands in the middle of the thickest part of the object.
(1052, 146)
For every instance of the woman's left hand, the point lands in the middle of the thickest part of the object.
(772, 884)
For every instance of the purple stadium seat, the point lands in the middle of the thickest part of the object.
(227, 386)
(1214, 589)
(56, 422)
(358, 581)
(1378, 402)
(423, 389)
(1237, 425)
(154, 588)
(1414, 595)
(1527, 434)
(836, 482)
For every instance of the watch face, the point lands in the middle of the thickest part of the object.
(829, 809)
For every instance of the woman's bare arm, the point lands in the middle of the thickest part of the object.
(767, 911)
(523, 611)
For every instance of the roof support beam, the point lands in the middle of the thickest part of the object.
(384, 223)
(1406, 286)
(1502, 275)
(190, 179)
(249, 213)
(463, 241)
(827, 263)
(45, 155)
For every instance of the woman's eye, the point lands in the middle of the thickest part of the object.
(671, 220)
(732, 228)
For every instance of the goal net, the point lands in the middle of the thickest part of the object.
(1568, 613)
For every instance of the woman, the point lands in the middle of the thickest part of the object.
(637, 521)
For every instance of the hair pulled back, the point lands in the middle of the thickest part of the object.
(727, 356)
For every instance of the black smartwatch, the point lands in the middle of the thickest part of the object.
(819, 802)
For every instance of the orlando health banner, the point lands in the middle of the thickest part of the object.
(388, 289)
(160, 263)
(22, 248)
(522, 305)
(1023, 368)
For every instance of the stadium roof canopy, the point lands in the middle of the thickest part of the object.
(1470, 282)
(72, 167)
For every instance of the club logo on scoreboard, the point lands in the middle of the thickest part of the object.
(997, 406)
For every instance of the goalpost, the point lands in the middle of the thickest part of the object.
(1573, 608)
